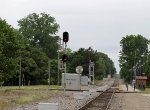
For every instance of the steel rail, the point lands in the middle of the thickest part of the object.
(109, 103)
(99, 100)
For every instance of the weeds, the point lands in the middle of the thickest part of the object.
(30, 98)
(11, 96)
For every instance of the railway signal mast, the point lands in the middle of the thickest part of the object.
(91, 71)
(60, 62)
(64, 56)
(62, 48)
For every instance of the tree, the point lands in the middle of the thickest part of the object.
(53, 71)
(40, 30)
(148, 63)
(133, 54)
(147, 67)
(34, 65)
(103, 64)
(1, 80)
(10, 43)
(106, 65)
(40, 59)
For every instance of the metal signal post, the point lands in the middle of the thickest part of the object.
(91, 71)
(65, 57)
(60, 64)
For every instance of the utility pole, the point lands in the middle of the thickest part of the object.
(20, 73)
(58, 69)
(134, 70)
(23, 80)
(49, 72)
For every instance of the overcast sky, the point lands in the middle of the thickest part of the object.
(100, 24)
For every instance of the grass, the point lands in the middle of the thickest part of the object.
(4, 104)
(98, 82)
(147, 91)
(34, 96)
(12, 95)
(36, 87)
(30, 98)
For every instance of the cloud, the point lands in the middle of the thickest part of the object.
(97, 23)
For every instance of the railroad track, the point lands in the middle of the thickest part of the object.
(102, 102)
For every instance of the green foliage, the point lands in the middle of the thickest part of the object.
(40, 30)
(28, 50)
(133, 54)
(147, 66)
(53, 71)
(10, 44)
(1, 80)
(103, 64)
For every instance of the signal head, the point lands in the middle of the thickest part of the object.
(65, 37)
(64, 58)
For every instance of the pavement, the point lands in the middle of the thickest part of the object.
(136, 102)
(123, 87)
(130, 101)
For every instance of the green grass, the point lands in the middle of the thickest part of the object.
(36, 87)
(147, 91)
(30, 98)
(34, 96)
(98, 82)
(12, 95)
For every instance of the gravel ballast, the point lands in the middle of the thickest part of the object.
(67, 101)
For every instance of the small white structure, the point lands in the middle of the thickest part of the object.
(84, 80)
(48, 106)
(72, 81)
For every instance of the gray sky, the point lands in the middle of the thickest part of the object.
(100, 24)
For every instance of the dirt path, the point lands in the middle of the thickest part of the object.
(136, 102)
(131, 101)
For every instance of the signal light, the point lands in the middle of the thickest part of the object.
(64, 58)
(65, 37)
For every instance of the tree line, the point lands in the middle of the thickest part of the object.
(134, 57)
(29, 48)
